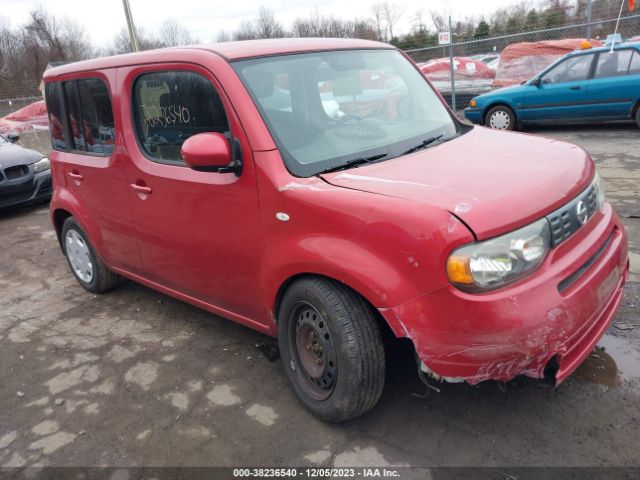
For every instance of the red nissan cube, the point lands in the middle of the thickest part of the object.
(319, 191)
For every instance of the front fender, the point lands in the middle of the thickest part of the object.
(388, 249)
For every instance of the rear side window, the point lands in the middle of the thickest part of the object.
(53, 100)
(97, 116)
(613, 64)
(169, 107)
(634, 66)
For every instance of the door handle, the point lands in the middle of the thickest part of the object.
(76, 176)
(141, 188)
(576, 87)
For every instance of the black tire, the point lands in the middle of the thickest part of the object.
(638, 116)
(102, 278)
(352, 356)
(500, 117)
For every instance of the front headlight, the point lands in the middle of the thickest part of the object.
(494, 263)
(598, 183)
(41, 165)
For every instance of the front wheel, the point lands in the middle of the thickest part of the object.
(638, 116)
(331, 349)
(501, 118)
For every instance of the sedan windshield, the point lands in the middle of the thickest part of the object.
(338, 109)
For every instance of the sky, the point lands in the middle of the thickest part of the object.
(102, 19)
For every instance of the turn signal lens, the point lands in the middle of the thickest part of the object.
(473, 104)
(458, 269)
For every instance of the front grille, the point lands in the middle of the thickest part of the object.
(18, 171)
(15, 198)
(571, 279)
(566, 220)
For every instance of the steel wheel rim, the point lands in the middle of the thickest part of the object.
(500, 120)
(79, 256)
(314, 350)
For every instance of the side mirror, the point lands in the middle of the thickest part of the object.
(210, 152)
(13, 137)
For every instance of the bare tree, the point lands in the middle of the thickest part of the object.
(266, 25)
(122, 44)
(377, 9)
(173, 34)
(245, 31)
(318, 25)
(26, 51)
(223, 36)
(391, 13)
(438, 21)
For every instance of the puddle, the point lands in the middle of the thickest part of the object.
(613, 362)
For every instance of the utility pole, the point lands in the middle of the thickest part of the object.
(588, 19)
(452, 66)
(133, 38)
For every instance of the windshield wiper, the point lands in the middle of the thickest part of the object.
(424, 144)
(354, 163)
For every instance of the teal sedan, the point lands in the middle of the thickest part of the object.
(593, 85)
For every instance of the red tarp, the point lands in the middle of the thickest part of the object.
(521, 61)
(463, 69)
(27, 118)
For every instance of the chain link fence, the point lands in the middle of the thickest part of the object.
(10, 105)
(479, 68)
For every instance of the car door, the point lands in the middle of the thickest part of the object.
(560, 93)
(92, 166)
(198, 232)
(613, 90)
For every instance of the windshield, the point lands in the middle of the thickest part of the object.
(327, 109)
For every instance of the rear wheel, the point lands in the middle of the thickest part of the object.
(331, 349)
(501, 117)
(638, 116)
(88, 269)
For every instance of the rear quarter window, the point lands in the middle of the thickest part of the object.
(169, 107)
(634, 66)
(81, 116)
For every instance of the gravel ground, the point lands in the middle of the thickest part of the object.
(135, 378)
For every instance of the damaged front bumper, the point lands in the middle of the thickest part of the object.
(558, 313)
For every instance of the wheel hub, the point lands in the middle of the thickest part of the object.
(500, 120)
(79, 256)
(315, 350)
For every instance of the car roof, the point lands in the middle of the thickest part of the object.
(228, 50)
(617, 46)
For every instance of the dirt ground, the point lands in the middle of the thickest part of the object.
(135, 378)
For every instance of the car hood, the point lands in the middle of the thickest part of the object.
(11, 154)
(501, 91)
(493, 181)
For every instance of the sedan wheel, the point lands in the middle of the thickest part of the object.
(501, 118)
